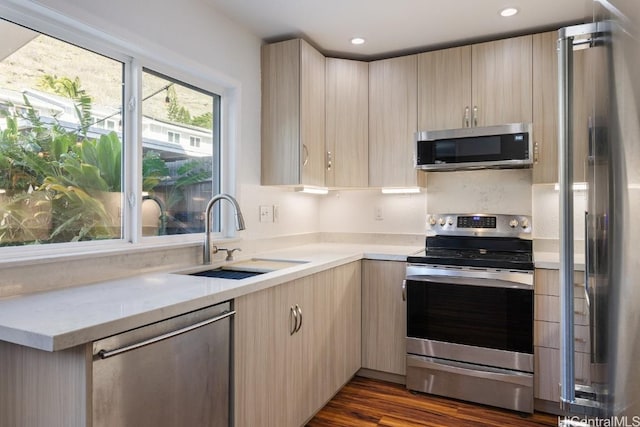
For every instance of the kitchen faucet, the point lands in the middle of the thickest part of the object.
(206, 256)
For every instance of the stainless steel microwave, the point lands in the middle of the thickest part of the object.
(505, 146)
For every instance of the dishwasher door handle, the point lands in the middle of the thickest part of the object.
(104, 354)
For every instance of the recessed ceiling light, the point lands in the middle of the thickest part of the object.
(357, 40)
(508, 11)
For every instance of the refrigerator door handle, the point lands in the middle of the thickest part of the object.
(565, 175)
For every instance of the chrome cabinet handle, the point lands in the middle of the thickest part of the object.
(466, 122)
(305, 152)
(475, 115)
(299, 311)
(103, 354)
(329, 160)
(404, 290)
(293, 319)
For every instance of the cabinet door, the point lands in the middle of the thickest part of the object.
(444, 89)
(267, 359)
(312, 115)
(384, 318)
(293, 117)
(545, 109)
(282, 379)
(392, 121)
(347, 126)
(502, 81)
(258, 391)
(281, 113)
(346, 327)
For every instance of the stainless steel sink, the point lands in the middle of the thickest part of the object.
(243, 269)
(222, 273)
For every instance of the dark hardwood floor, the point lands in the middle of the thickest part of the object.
(370, 403)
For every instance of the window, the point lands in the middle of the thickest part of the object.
(63, 149)
(173, 137)
(189, 173)
(61, 181)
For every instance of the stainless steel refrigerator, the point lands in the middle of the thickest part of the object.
(612, 217)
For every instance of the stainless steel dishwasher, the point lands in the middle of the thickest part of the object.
(172, 373)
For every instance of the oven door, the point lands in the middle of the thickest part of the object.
(471, 315)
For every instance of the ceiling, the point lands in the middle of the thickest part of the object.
(393, 27)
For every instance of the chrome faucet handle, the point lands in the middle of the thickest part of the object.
(230, 253)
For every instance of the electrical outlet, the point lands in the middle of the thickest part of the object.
(266, 213)
(377, 213)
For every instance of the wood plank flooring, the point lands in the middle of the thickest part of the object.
(365, 402)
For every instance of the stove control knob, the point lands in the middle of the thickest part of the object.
(449, 220)
(442, 222)
(432, 220)
(524, 223)
(513, 223)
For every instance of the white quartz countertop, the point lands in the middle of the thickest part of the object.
(65, 318)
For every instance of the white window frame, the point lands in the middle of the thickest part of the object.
(171, 136)
(135, 58)
(194, 141)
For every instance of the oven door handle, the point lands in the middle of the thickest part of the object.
(485, 280)
(513, 377)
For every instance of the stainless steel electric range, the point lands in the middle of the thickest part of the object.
(470, 310)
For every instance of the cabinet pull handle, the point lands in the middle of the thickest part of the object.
(466, 121)
(305, 152)
(475, 115)
(293, 318)
(404, 290)
(329, 160)
(580, 340)
(299, 311)
(536, 152)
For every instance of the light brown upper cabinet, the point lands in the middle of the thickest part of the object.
(545, 109)
(347, 123)
(293, 114)
(444, 89)
(393, 122)
(480, 85)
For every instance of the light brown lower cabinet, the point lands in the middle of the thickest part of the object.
(384, 316)
(296, 345)
(547, 334)
(45, 389)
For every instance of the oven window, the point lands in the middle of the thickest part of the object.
(497, 318)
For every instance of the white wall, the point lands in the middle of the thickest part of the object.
(355, 211)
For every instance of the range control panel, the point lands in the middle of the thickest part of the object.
(498, 225)
(476, 221)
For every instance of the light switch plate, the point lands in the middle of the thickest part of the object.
(266, 213)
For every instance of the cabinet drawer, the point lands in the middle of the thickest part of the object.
(547, 334)
(547, 309)
(546, 383)
(547, 282)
